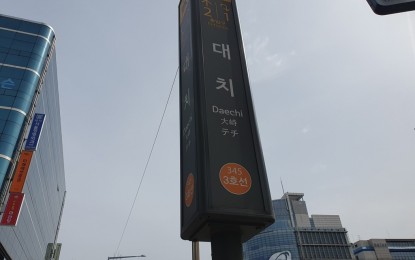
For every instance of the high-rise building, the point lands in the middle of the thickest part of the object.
(385, 249)
(31, 153)
(296, 235)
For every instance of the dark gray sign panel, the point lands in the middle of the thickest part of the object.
(189, 173)
(383, 7)
(223, 177)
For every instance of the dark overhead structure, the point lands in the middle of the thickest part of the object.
(384, 7)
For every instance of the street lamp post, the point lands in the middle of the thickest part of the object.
(120, 257)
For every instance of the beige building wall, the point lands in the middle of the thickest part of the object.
(326, 221)
(380, 250)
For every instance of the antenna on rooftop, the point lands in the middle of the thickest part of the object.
(282, 186)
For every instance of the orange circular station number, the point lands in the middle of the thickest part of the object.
(189, 190)
(235, 178)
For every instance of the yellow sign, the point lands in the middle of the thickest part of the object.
(217, 13)
(20, 173)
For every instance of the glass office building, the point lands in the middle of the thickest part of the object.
(296, 235)
(28, 86)
(385, 249)
(279, 238)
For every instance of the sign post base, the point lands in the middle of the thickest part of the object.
(226, 244)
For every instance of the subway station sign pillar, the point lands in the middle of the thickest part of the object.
(224, 186)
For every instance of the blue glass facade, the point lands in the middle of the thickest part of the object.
(277, 238)
(24, 48)
(295, 235)
(28, 85)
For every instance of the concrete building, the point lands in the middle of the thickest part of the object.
(296, 235)
(384, 249)
(31, 152)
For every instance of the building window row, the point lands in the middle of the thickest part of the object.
(328, 238)
(325, 252)
(400, 243)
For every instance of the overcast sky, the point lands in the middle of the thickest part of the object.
(334, 90)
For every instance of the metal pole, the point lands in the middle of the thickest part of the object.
(226, 244)
(58, 227)
(195, 250)
(120, 257)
